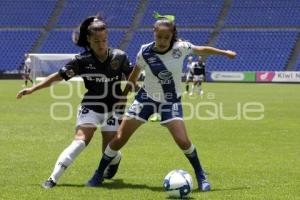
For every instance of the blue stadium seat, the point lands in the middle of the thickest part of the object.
(297, 66)
(187, 13)
(264, 13)
(31, 13)
(14, 46)
(258, 50)
(60, 41)
(116, 13)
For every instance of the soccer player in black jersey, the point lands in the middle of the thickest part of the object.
(199, 75)
(101, 68)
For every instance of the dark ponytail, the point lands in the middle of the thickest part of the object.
(86, 28)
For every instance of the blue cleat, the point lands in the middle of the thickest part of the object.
(204, 186)
(96, 180)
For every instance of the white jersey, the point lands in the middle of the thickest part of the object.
(163, 71)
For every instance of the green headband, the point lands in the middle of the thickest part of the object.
(157, 16)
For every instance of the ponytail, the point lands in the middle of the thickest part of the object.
(87, 27)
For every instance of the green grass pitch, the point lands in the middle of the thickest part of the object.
(245, 159)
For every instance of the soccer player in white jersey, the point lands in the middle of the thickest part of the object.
(162, 60)
(189, 73)
(27, 70)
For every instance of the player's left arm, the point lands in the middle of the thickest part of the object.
(206, 51)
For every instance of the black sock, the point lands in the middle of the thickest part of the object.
(187, 88)
(104, 162)
(194, 160)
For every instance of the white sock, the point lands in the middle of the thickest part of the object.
(66, 158)
(192, 90)
(116, 159)
(189, 150)
(109, 152)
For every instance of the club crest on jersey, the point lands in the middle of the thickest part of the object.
(115, 64)
(176, 53)
(70, 73)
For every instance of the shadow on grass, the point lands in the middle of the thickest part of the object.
(120, 184)
(230, 189)
(116, 184)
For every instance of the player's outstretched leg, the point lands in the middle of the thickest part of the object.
(63, 161)
(107, 157)
(178, 131)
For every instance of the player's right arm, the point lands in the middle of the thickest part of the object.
(43, 84)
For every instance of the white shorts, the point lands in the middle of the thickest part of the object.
(107, 121)
(189, 77)
(198, 78)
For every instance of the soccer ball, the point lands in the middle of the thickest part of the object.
(178, 183)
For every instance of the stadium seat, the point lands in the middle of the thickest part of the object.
(25, 13)
(297, 66)
(258, 50)
(187, 13)
(14, 46)
(116, 13)
(60, 41)
(264, 13)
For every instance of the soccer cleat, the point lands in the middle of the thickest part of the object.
(201, 92)
(48, 184)
(111, 170)
(204, 186)
(96, 180)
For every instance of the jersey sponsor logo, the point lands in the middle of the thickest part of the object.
(115, 64)
(176, 53)
(165, 75)
(102, 79)
(90, 67)
(151, 60)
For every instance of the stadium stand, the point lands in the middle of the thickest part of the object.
(116, 13)
(259, 50)
(264, 13)
(31, 13)
(297, 66)
(14, 46)
(204, 13)
(60, 41)
(262, 32)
